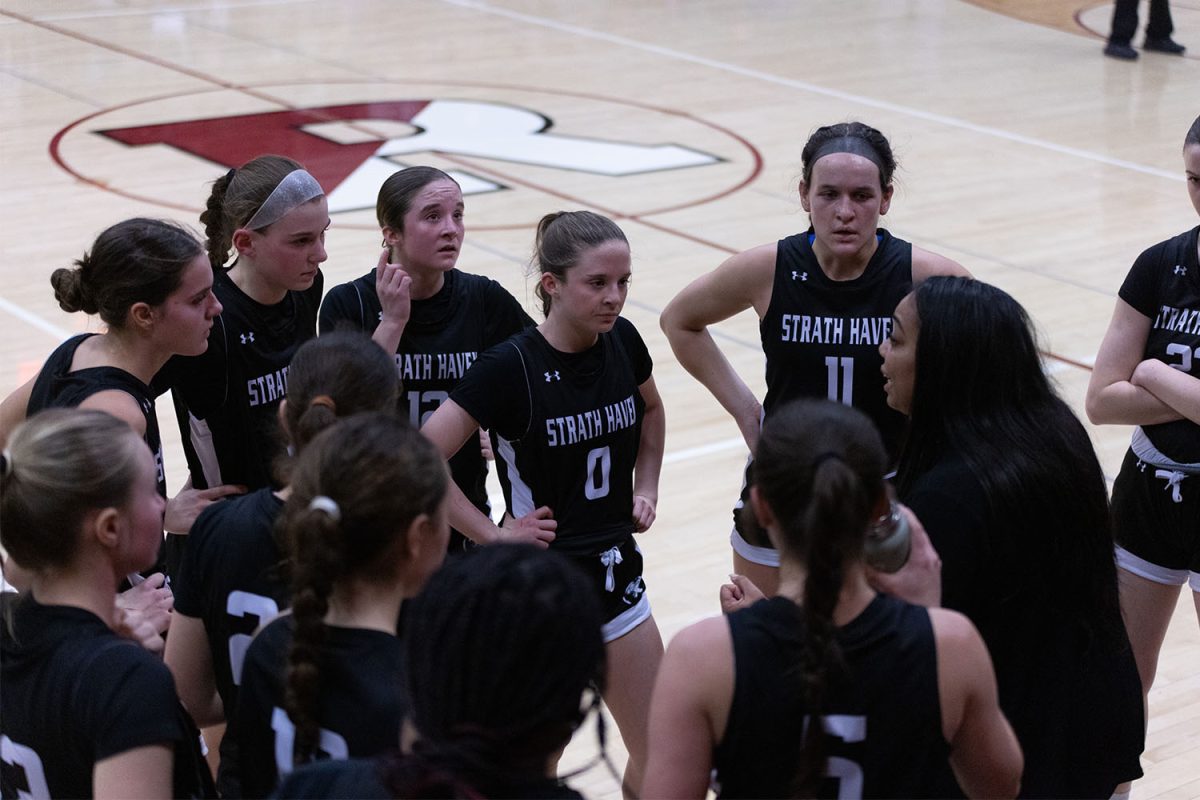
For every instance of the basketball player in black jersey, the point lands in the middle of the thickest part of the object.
(273, 214)
(233, 579)
(824, 299)
(151, 285)
(436, 319)
(1148, 374)
(499, 656)
(579, 427)
(365, 526)
(83, 712)
(827, 689)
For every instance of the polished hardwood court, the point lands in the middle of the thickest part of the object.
(1026, 155)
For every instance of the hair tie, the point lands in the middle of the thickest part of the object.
(828, 455)
(326, 504)
(323, 400)
(6, 464)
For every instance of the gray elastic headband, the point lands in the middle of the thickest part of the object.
(296, 189)
(854, 146)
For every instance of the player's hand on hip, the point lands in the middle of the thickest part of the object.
(644, 512)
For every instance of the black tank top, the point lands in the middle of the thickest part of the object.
(58, 387)
(883, 713)
(821, 336)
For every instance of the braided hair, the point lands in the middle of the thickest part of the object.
(382, 475)
(498, 650)
(819, 466)
(235, 197)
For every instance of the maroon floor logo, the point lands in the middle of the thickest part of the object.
(351, 171)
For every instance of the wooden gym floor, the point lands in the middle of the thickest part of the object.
(1026, 155)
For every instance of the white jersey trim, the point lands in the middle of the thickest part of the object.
(521, 502)
(206, 453)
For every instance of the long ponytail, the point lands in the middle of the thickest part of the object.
(819, 467)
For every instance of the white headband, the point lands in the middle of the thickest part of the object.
(296, 189)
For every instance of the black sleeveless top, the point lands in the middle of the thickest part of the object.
(882, 713)
(57, 387)
(821, 337)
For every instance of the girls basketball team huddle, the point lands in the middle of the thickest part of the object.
(360, 622)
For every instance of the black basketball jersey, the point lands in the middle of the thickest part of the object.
(444, 335)
(75, 694)
(227, 399)
(231, 579)
(360, 706)
(567, 428)
(821, 337)
(882, 713)
(1164, 284)
(58, 387)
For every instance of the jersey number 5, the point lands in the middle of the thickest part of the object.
(849, 775)
(846, 384)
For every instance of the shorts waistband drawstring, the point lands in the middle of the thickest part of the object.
(610, 558)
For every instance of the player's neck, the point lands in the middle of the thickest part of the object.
(843, 267)
(856, 594)
(565, 337)
(83, 585)
(373, 605)
(253, 285)
(425, 283)
(140, 356)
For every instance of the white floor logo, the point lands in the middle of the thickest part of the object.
(506, 133)
(352, 148)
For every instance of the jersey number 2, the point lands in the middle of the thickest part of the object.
(1185, 354)
(846, 384)
(21, 760)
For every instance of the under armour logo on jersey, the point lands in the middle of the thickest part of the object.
(552, 376)
(247, 338)
(801, 275)
(1180, 269)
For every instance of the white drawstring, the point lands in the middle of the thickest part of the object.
(610, 558)
(1173, 479)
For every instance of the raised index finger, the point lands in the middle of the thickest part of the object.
(384, 255)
